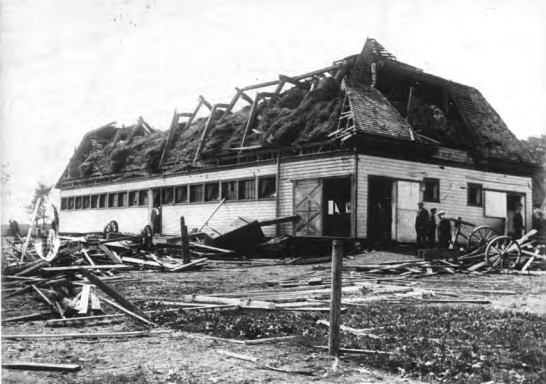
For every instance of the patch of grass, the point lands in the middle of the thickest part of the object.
(452, 344)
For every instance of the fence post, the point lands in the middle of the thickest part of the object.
(184, 241)
(335, 303)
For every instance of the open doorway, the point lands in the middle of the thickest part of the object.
(337, 206)
(379, 209)
(513, 201)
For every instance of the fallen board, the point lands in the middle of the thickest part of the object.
(42, 366)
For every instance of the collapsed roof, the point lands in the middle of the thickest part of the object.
(370, 94)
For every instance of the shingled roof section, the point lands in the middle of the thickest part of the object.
(493, 137)
(373, 114)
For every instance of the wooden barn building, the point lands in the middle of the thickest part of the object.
(351, 149)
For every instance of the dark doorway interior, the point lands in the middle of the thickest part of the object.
(513, 201)
(336, 195)
(379, 209)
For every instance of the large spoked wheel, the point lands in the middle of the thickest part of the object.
(503, 252)
(147, 237)
(480, 237)
(111, 227)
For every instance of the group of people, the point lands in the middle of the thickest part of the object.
(426, 228)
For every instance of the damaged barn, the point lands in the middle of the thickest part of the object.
(351, 149)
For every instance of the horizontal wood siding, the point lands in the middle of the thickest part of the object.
(453, 187)
(134, 219)
(300, 169)
(196, 214)
(131, 220)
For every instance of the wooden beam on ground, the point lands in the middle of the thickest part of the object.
(85, 267)
(89, 260)
(222, 300)
(112, 293)
(28, 366)
(114, 258)
(33, 266)
(95, 303)
(188, 266)
(83, 335)
(130, 314)
(357, 351)
(84, 301)
(30, 316)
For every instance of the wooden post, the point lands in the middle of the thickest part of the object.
(335, 303)
(184, 241)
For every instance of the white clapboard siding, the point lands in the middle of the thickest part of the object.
(131, 220)
(300, 169)
(453, 187)
(134, 219)
(195, 215)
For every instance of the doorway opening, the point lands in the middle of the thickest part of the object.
(379, 209)
(337, 207)
(513, 201)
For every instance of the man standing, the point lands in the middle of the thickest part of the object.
(444, 231)
(431, 228)
(518, 223)
(421, 225)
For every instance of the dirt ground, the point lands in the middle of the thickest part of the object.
(182, 357)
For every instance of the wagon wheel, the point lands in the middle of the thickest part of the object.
(480, 237)
(503, 252)
(111, 227)
(147, 237)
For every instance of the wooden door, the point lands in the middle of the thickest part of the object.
(308, 205)
(407, 198)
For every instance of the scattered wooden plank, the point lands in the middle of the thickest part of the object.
(221, 300)
(30, 316)
(84, 301)
(455, 301)
(83, 335)
(255, 361)
(95, 303)
(85, 267)
(113, 293)
(528, 263)
(129, 313)
(189, 265)
(28, 366)
(114, 258)
(269, 340)
(357, 351)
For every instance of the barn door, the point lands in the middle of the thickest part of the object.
(308, 205)
(407, 198)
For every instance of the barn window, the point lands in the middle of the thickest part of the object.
(229, 190)
(196, 193)
(133, 198)
(142, 197)
(247, 189)
(112, 200)
(267, 187)
(212, 191)
(86, 202)
(181, 194)
(95, 201)
(122, 199)
(70, 203)
(167, 195)
(474, 195)
(102, 200)
(79, 202)
(432, 191)
(64, 203)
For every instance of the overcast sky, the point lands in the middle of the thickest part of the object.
(69, 66)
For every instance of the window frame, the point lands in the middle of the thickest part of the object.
(112, 200)
(64, 203)
(73, 201)
(223, 191)
(202, 193)
(260, 180)
(184, 187)
(162, 197)
(88, 199)
(123, 198)
(132, 200)
(103, 201)
(428, 180)
(94, 204)
(479, 193)
(80, 199)
(143, 202)
(211, 185)
(242, 191)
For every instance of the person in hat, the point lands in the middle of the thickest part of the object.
(431, 228)
(421, 222)
(518, 223)
(444, 231)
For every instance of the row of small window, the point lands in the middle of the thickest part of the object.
(247, 189)
(431, 192)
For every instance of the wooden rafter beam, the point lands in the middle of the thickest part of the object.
(232, 103)
(246, 98)
(205, 102)
(261, 85)
(207, 129)
(297, 83)
(251, 117)
(170, 136)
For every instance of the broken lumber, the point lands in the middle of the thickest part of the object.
(113, 293)
(221, 300)
(85, 267)
(189, 265)
(83, 335)
(255, 361)
(357, 351)
(128, 313)
(42, 366)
